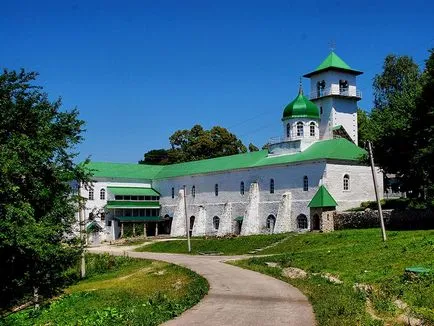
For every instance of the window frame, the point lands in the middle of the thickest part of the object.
(346, 182)
(216, 189)
(312, 129)
(242, 190)
(193, 191)
(173, 192)
(300, 128)
(272, 186)
(91, 194)
(216, 222)
(305, 183)
(102, 194)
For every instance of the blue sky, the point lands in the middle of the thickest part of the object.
(139, 70)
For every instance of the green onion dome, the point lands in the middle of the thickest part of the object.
(301, 107)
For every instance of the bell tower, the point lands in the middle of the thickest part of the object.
(333, 89)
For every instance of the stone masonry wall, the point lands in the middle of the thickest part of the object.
(407, 219)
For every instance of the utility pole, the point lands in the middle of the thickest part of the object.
(82, 233)
(187, 224)
(374, 177)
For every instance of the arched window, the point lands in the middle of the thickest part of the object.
(271, 221)
(90, 194)
(312, 129)
(242, 188)
(271, 186)
(216, 189)
(216, 222)
(343, 87)
(300, 129)
(288, 130)
(102, 194)
(302, 221)
(193, 191)
(346, 182)
(320, 86)
(305, 183)
(173, 192)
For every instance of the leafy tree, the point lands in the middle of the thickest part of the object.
(156, 157)
(196, 144)
(364, 127)
(401, 124)
(253, 148)
(37, 208)
(422, 129)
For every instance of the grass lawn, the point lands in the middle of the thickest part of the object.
(225, 246)
(120, 291)
(358, 256)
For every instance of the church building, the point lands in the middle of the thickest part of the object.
(297, 184)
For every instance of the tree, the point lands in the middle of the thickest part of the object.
(37, 208)
(364, 127)
(196, 144)
(253, 148)
(422, 129)
(401, 124)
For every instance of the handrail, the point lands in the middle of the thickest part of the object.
(349, 92)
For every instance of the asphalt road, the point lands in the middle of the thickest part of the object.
(236, 296)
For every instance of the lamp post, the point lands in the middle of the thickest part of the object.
(187, 224)
(374, 177)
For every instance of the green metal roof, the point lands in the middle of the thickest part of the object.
(124, 170)
(133, 191)
(333, 61)
(239, 218)
(333, 149)
(301, 107)
(322, 198)
(139, 218)
(131, 204)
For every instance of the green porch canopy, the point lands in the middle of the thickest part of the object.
(322, 198)
(132, 191)
(131, 204)
(239, 218)
(139, 219)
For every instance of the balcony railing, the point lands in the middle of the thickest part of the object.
(349, 92)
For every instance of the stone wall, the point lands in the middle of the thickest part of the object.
(393, 219)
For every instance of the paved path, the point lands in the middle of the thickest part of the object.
(237, 296)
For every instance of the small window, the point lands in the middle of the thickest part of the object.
(102, 194)
(300, 129)
(216, 189)
(320, 110)
(91, 194)
(91, 216)
(134, 198)
(320, 86)
(193, 191)
(288, 130)
(118, 197)
(271, 186)
(173, 192)
(312, 129)
(302, 221)
(109, 223)
(141, 198)
(242, 188)
(346, 182)
(216, 222)
(305, 183)
(102, 216)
